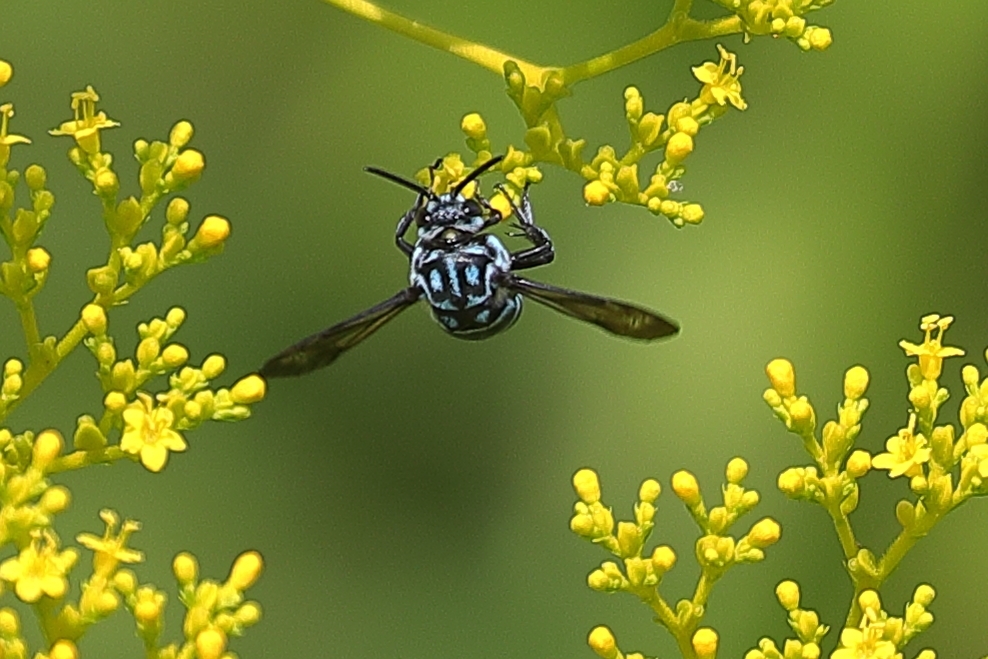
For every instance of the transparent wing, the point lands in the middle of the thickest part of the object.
(614, 316)
(323, 348)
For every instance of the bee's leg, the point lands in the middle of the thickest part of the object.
(542, 251)
(403, 224)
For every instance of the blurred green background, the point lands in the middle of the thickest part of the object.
(412, 501)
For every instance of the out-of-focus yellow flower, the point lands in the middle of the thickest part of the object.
(149, 433)
(39, 569)
(6, 72)
(906, 452)
(111, 550)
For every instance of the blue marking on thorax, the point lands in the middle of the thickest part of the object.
(436, 281)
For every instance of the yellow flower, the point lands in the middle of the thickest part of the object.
(87, 123)
(111, 549)
(721, 86)
(931, 352)
(149, 433)
(39, 569)
(7, 139)
(907, 452)
(863, 644)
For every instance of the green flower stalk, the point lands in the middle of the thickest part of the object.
(150, 400)
(613, 174)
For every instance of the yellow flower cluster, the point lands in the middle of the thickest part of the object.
(610, 177)
(152, 425)
(784, 18)
(135, 423)
(716, 550)
(943, 471)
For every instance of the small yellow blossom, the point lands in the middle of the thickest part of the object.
(601, 640)
(787, 592)
(249, 389)
(39, 569)
(721, 82)
(782, 377)
(587, 485)
(685, 487)
(185, 568)
(596, 193)
(181, 134)
(764, 533)
(149, 433)
(38, 259)
(213, 232)
(94, 318)
(906, 453)
(85, 127)
(188, 166)
(663, 558)
(111, 550)
(210, 643)
(473, 126)
(705, 643)
(6, 72)
(64, 649)
(245, 571)
(855, 382)
(863, 644)
(931, 352)
(678, 147)
(9, 139)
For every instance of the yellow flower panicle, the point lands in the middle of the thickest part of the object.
(136, 422)
(640, 573)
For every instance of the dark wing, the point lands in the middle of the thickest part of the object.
(323, 348)
(618, 317)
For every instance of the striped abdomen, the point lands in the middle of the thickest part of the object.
(460, 284)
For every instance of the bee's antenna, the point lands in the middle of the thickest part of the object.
(404, 182)
(477, 172)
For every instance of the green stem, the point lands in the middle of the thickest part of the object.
(489, 58)
(80, 459)
(29, 322)
(36, 373)
(679, 27)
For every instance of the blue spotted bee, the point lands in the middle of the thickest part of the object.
(467, 277)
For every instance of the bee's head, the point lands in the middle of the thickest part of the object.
(449, 210)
